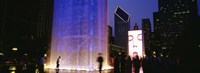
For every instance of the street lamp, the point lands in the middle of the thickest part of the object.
(1, 53)
(14, 49)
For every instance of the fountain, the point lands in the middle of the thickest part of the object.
(79, 33)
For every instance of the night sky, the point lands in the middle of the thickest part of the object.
(137, 9)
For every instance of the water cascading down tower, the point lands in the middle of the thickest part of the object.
(79, 33)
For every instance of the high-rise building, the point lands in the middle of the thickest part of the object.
(173, 22)
(122, 26)
(146, 27)
(110, 44)
(43, 28)
(2, 14)
(110, 36)
(26, 25)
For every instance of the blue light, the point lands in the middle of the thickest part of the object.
(79, 33)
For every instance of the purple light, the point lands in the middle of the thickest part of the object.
(79, 33)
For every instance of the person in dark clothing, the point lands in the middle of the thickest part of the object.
(100, 60)
(122, 62)
(136, 63)
(41, 64)
(128, 65)
(58, 62)
(146, 64)
(116, 64)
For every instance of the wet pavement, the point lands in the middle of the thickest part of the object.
(80, 71)
(59, 71)
(76, 71)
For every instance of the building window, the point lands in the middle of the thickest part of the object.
(161, 8)
(157, 19)
(175, 4)
(192, 0)
(188, 11)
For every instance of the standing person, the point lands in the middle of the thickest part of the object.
(146, 64)
(123, 62)
(58, 62)
(116, 64)
(41, 65)
(136, 64)
(128, 64)
(100, 60)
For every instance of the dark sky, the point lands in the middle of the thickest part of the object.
(137, 9)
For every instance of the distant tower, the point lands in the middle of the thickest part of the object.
(122, 26)
(146, 27)
(135, 27)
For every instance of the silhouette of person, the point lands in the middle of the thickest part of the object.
(146, 64)
(122, 62)
(136, 64)
(128, 64)
(100, 60)
(116, 64)
(41, 64)
(58, 62)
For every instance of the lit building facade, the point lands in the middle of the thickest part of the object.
(135, 43)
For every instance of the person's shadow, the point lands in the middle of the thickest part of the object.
(57, 70)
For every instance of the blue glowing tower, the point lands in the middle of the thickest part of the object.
(79, 33)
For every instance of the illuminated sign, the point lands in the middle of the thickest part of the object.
(135, 43)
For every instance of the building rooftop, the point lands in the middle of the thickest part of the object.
(122, 14)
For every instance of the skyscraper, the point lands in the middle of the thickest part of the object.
(43, 29)
(146, 27)
(110, 36)
(22, 22)
(174, 21)
(2, 14)
(122, 26)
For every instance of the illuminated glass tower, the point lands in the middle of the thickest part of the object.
(79, 33)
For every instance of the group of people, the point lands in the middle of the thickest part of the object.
(99, 60)
(125, 64)
(149, 64)
(42, 61)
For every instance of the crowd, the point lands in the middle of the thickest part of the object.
(149, 64)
